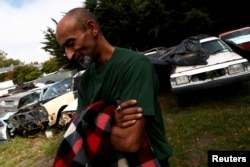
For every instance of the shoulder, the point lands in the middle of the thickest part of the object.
(129, 55)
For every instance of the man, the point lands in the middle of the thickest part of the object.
(116, 74)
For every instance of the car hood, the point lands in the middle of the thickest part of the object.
(212, 60)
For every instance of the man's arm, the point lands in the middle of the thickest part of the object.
(128, 130)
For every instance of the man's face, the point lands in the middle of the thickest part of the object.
(76, 42)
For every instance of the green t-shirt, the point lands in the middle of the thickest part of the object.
(128, 75)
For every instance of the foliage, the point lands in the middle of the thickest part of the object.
(25, 73)
(51, 65)
(51, 45)
(6, 76)
(2, 77)
(143, 24)
(4, 62)
(133, 24)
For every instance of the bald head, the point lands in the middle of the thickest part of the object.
(79, 33)
(80, 16)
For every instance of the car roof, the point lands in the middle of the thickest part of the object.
(229, 32)
(208, 39)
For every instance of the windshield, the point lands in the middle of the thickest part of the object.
(214, 46)
(28, 100)
(58, 89)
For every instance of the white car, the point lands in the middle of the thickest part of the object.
(201, 62)
(55, 106)
(223, 67)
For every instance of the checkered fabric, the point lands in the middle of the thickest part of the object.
(86, 142)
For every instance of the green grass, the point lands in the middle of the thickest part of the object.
(217, 120)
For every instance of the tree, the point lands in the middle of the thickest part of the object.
(25, 73)
(133, 24)
(4, 62)
(51, 65)
(143, 24)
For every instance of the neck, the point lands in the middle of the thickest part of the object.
(106, 51)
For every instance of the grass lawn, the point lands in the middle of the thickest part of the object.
(213, 120)
(217, 120)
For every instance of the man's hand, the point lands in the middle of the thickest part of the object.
(128, 114)
(128, 131)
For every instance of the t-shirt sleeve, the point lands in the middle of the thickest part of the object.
(141, 83)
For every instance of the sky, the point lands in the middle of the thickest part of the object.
(22, 23)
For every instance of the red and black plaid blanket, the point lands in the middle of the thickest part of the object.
(86, 142)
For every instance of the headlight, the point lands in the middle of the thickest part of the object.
(236, 68)
(181, 80)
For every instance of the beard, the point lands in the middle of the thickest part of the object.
(87, 61)
(83, 61)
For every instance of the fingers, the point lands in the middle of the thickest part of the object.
(128, 103)
(128, 123)
(132, 112)
(131, 119)
(128, 113)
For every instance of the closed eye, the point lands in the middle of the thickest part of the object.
(69, 43)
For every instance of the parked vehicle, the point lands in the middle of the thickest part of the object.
(222, 66)
(202, 62)
(55, 106)
(50, 91)
(238, 40)
(32, 118)
(12, 109)
(163, 68)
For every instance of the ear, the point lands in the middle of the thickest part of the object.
(92, 28)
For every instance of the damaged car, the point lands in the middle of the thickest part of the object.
(14, 111)
(29, 116)
(238, 40)
(55, 106)
(202, 62)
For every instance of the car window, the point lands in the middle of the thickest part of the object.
(214, 46)
(58, 89)
(29, 99)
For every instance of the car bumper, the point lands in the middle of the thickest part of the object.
(211, 83)
(3, 133)
(66, 118)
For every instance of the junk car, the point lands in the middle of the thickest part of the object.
(14, 106)
(202, 62)
(31, 117)
(55, 106)
(238, 40)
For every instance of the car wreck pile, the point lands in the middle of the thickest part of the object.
(38, 108)
(197, 63)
